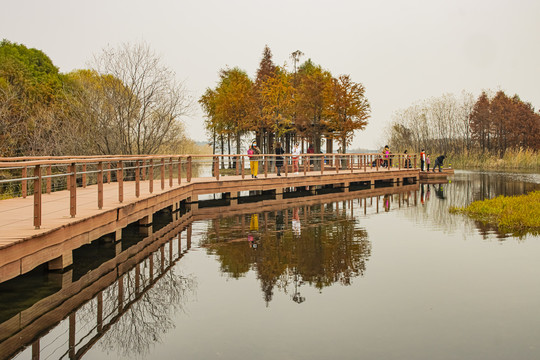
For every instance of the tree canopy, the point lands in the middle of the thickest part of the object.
(308, 104)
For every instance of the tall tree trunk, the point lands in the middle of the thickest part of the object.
(222, 151)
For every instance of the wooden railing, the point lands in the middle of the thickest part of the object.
(79, 171)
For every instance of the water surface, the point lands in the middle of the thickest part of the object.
(388, 277)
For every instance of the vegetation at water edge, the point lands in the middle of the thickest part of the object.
(512, 214)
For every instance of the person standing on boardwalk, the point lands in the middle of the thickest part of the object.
(422, 160)
(428, 161)
(254, 160)
(439, 162)
(295, 157)
(279, 158)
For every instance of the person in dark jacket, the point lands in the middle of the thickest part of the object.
(279, 158)
(439, 162)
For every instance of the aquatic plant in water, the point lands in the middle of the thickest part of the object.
(513, 214)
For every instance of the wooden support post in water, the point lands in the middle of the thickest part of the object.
(100, 185)
(120, 180)
(35, 350)
(37, 197)
(49, 180)
(72, 190)
(24, 185)
(72, 333)
(99, 312)
(151, 175)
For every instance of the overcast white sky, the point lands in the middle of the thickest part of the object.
(401, 50)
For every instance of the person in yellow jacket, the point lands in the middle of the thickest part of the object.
(254, 160)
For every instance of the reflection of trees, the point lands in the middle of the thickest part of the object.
(330, 248)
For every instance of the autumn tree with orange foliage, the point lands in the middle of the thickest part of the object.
(308, 104)
(348, 110)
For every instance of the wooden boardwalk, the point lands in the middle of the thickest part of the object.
(23, 247)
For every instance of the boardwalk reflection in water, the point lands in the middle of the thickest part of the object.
(125, 305)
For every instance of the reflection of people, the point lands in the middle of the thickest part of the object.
(279, 158)
(295, 156)
(422, 194)
(439, 191)
(254, 160)
(296, 222)
(254, 222)
(280, 224)
(386, 201)
(253, 226)
(438, 162)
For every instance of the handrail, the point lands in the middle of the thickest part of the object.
(142, 167)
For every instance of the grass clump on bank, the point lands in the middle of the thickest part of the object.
(512, 214)
(521, 159)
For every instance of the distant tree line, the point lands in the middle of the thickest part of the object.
(307, 103)
(127, 103)
(459, 125)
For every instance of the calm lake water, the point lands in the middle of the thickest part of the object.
(388, 277)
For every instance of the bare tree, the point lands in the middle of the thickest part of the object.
(147, 101)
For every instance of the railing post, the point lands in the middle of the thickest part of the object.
(170, 173)
(49, 180)
(37, 197)
(138, 179)
(189, 169)
(179, 170)
(72, 190)
(322, 164)
(108, 173)
(143, 170)
(377, 161)
(100, 185)
(337, 162)
(351, 164)
(237, 164)
(399, 161)
(415, 161)
(216, 166)
(243, 166)
(304, 160)
(286, 158)
(120, 180)
(84, 176)
(162, 173)
(24, 184)
(151, 175)
(265, 166)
